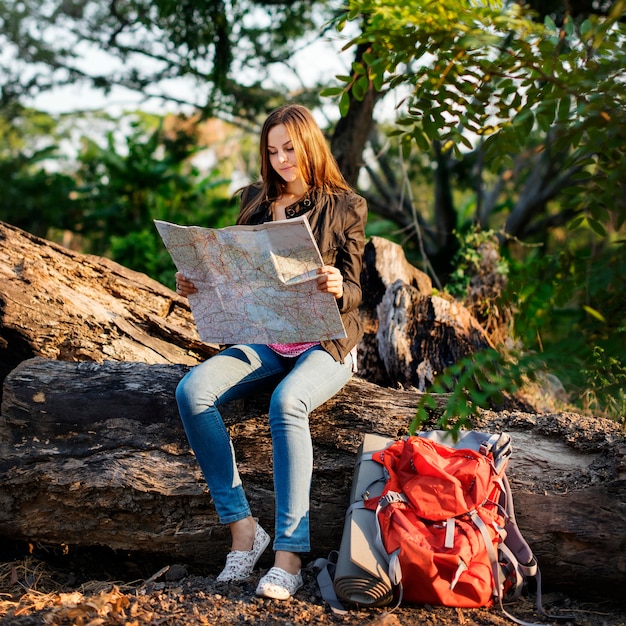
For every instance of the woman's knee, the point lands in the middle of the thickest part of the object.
(285, 404)
(192, 397)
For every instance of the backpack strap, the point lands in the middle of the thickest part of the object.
(491, 551)
(393, 561)
(516, 548)
(495, 568)
(511, 569)
(325, 577)
(394, 570)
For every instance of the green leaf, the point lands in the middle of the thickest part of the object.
(331, 91)
(563, 109)
(377, 79)
(595, 313)
(523, 125)
(466, 142)
(597, 227)
(358, 68)
(344, 104)
(549, 23)
(360, 87)
(406, 146)
(421, 140)
(430, 128)
(585, 29)
(369, 58)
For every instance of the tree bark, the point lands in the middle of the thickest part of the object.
(419, 336)
(60, 304)
(384, 264)
(352, 131)
(94, 454)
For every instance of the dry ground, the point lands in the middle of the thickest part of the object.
(59, 591)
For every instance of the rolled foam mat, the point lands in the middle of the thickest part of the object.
(361, 570)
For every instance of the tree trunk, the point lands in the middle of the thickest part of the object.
(352, 131)
(384, 263)
(419, 336)
(95, 454)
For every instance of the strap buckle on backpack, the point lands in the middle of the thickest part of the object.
(390, 497)
(487, 446)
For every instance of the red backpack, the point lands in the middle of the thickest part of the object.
(431, 521)
(446, 521)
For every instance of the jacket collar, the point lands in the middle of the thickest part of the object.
(302, 206)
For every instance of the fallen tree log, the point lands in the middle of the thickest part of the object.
(60, 304)
(94, 454)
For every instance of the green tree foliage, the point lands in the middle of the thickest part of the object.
(571, 311)
(539, 111)
(104, 199)
(489, 78)
(122, 190)
(227, 48)
(34, 196)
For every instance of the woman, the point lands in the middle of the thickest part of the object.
(299, 177)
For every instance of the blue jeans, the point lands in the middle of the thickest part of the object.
(301, 384)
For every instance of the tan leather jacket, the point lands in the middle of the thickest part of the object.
(338, 225)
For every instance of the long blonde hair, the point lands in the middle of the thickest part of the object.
(317, 165)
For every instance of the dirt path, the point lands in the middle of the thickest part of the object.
(33, 592)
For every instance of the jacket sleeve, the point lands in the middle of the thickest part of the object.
(350, 255)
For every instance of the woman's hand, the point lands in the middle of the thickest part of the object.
(330, 280)
(184, 287)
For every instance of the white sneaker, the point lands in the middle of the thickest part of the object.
(240, 563)
(279, 584)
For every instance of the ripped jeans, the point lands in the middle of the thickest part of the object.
(301, 384)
